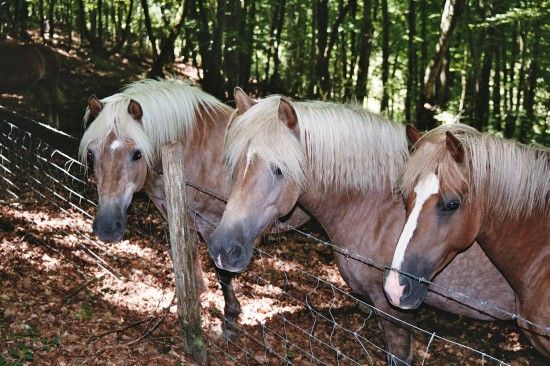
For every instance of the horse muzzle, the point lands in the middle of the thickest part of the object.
(403, 291)
(229, 254)
(109, 224)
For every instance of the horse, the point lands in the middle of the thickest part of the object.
(32, 67)
(460, 185)
(338, 163)
(122, 143)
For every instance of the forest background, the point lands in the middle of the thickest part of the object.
(483, 62)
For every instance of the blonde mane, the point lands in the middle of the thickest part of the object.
(170, 107)
(341, 146)
(513, 178)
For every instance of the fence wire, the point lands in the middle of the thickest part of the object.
(321, 324)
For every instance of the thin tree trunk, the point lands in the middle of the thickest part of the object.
(521, 73)
(245, 53)
(275, 78)
(124, 33)
(348, 82)
(463, 83)
(42, 23)
(51, 19)
(449, 19)
(321, 81)
(497, 114)
(149, 28)
(69, 5)
(385, 55)
(312, 53)
(99, 34)
(323, 56)
(411, 62)
(530, 89)
(210, 49)
(364, 53)
(167, 46)
(510, 124)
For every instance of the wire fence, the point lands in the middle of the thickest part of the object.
(317, 320)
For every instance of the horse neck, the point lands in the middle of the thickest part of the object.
(203, 159)
(204, 152)
(518, 247)
(367, 223)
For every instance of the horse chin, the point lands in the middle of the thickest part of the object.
(415, 296)
(109, 232)
(237, 266)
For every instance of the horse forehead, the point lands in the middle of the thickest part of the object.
(114, 145)
(427, 186)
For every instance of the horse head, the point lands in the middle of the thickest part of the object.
(120, 170)
(263, 189)
(441, 220)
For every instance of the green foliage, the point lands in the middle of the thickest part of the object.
(244, 42)
(85, 312)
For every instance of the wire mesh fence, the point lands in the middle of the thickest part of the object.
(308, 314)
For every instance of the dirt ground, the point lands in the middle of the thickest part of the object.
(61, 305)
(66, 299)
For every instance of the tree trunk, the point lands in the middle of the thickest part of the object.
(348, 82)
(497, 114)
(149, 28)
(530, 89)
(167, 46)
(70, 24)
(481, 112)
(321, 81)
(521, 73)
(274, 82)
(385, 55)
(312, 55)
(425, 110)
(463, 83)
(99, 34)
(210, 49)
(510, 124)
(124, 33)
(51, 19)
(42, 23)
(411, 62)
(364, 53)
(325, 46)
(245, 51)
(424, 44)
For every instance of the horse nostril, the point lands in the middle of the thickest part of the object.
(407, 291)
(236, 251)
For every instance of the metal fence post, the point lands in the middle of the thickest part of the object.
(181, 244)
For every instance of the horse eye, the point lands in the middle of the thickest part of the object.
(277, 171)
(91, 155)
(451, 206)
(137, 155)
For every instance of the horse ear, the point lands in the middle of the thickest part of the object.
(413, 134)
(455, 147)
(288, 116)
(243, 101)
(134, 108)
(94, 105)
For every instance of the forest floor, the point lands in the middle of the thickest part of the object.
(59, 305)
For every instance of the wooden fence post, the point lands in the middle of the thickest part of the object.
(181, 244)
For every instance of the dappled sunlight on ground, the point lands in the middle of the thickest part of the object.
(67, 299)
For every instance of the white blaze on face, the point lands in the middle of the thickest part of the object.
(248, 161)
(116, 145)
(423, 190)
